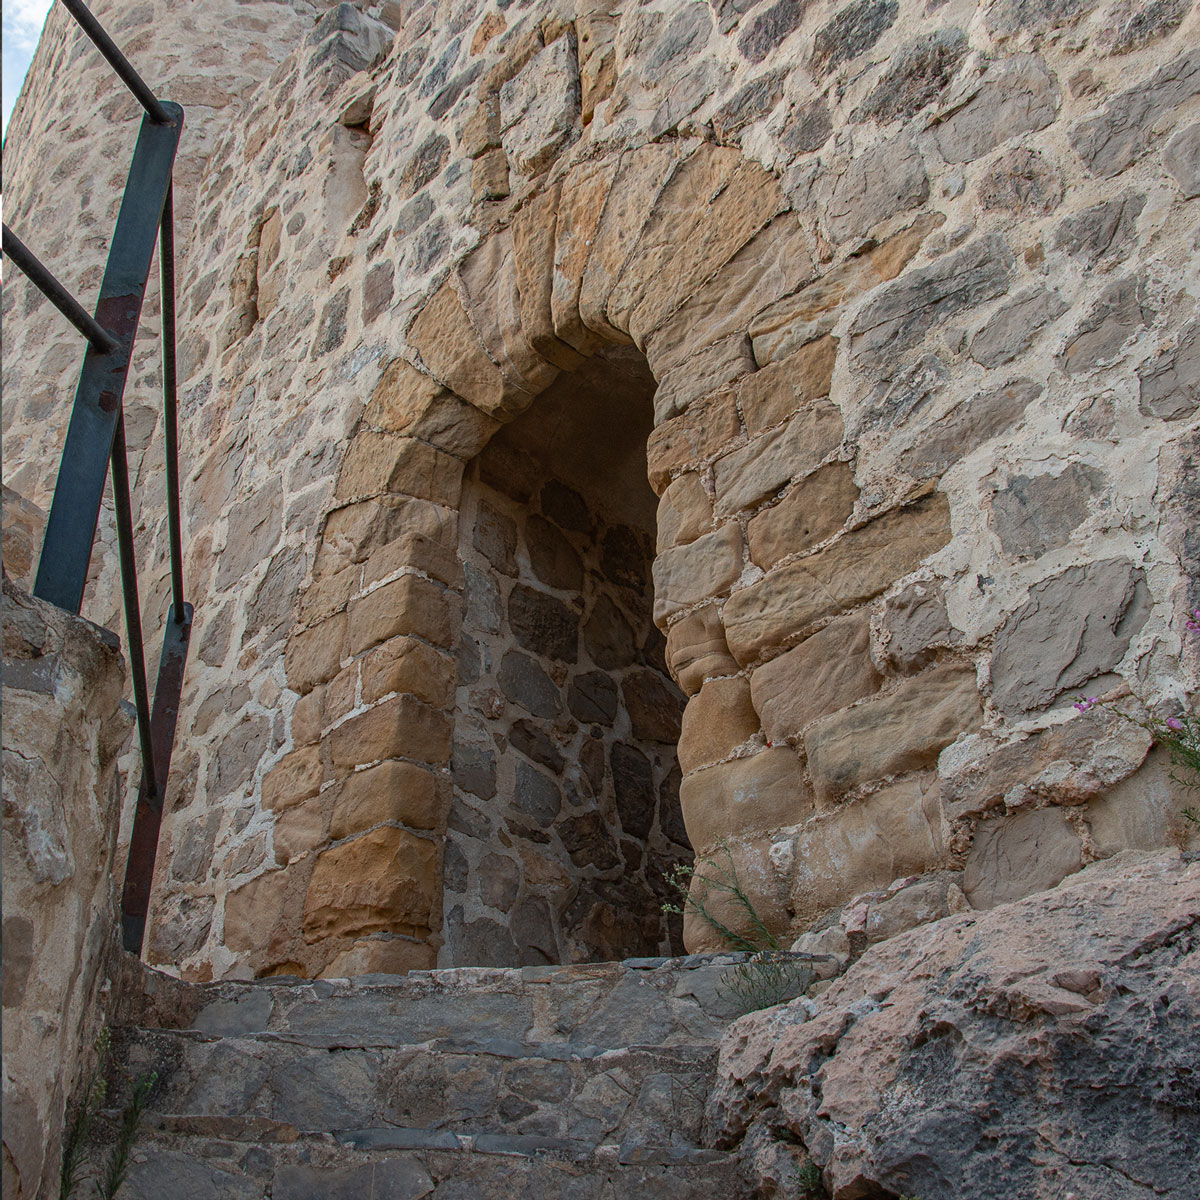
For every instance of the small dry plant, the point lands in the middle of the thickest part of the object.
(770, 975)
(80, 1144)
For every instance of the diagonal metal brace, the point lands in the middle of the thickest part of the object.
(71, 526)
(147, 816)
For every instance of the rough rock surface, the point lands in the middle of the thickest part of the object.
(1045, 1048)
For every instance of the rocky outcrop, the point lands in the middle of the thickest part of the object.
(1044, 1048)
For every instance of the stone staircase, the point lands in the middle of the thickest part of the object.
(578, 1081)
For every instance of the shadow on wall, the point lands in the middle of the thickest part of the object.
(566, 782)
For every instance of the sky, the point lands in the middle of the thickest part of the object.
(23, 21)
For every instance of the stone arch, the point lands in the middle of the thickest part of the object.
(690, 253)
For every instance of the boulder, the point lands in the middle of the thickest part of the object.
(1043, 1047)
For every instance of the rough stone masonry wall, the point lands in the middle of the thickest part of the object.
(63, 728)
(918, 290)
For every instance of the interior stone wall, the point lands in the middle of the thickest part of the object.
(566, 813)
(917, 288)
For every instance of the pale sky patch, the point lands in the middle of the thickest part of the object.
(23, 21)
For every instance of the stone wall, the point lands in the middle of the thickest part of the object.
(917, 290)
(63, 728)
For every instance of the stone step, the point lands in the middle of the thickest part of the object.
(281, 1086)
(195, 1166)
(607, 1005)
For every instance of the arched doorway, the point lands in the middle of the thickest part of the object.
(565, 815)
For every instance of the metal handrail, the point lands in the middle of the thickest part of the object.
(95, 446)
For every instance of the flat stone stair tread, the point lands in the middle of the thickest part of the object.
(190, 1167)
(642, 1001)
(653, 1095)
(557, 1082)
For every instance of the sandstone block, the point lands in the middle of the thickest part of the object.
(385, 880)
(491, 294)
(387, 462)
(1075, 625)
(581, 204)
(718, 719)
(295, 778)
(774, 263)
(684, 512)
(449, 346)
(260, 916)
(489, 175)
(708, 370)
(686, 575)
(857, 567)
(341, 694)
(830, 670)
(408, 605)
(680, 257)
(763, 879)
(745, 477)
(392, 791)
(888, 735)
(314, 655)
(533, 254)
(1016, 855)
(300, 829)
(381, 956)
(330, 594)
(306, 718)
(399, 728)
(435, 556)
(691, 439)
(696, 649)
(865, 846)
(777, 391)
(407, 401)
(792, 322)
(632, 197)
(814, 509)
(745, 796)
(409, 666)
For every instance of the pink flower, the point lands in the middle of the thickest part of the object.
(1174, 723)
(1086, 702)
